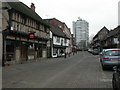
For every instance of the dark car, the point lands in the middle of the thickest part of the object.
(116, 78)
(90, 50)
(95, 52)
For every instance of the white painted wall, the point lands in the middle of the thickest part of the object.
(51, 34)
(56, 43)
(59, 43)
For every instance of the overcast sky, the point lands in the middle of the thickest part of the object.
(98, 13)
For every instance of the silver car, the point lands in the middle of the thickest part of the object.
(110, 58)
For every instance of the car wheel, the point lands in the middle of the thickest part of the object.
(114, 83)
(103, 68)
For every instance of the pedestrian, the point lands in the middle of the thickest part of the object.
(73, 52)
(65, 54)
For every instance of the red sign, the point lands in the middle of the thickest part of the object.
(31, 36)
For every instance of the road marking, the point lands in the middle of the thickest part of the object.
(103, 75)
(106, 80)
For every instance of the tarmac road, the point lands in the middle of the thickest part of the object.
(83, 70)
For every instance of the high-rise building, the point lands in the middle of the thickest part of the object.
(119, 13)
(81, 33)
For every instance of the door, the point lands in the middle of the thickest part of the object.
(24, 52)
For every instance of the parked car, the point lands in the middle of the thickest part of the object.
(110, 58)
(95, 52)
(90, 50)
(116, 78)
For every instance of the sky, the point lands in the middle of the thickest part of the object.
(98, 13)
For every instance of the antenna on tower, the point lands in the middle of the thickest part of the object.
(79, 18)
(31, 1)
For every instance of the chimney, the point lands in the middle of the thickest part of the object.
(33, 6)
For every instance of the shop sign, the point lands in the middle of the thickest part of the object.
(31, 36)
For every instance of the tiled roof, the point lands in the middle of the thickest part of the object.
(104, 28)
(24, 9)
(57, 31)
(114, 32)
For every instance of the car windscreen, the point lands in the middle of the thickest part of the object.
(112, 53)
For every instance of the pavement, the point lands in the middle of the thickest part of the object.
(82, 70)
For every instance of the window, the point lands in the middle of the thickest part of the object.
(65, 41)
(58, 40)
(113, 53)
(37, 26)
(45, 29)
(15, 16)
(23, 20)
(41, 28)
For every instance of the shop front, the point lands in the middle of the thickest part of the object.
(58, 50)
(21, 51)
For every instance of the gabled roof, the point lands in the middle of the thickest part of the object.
(104, 28)
(114, 32)
(57, 31)
(55, 19)
(24, 9)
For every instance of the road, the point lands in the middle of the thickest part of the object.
(83, 70)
